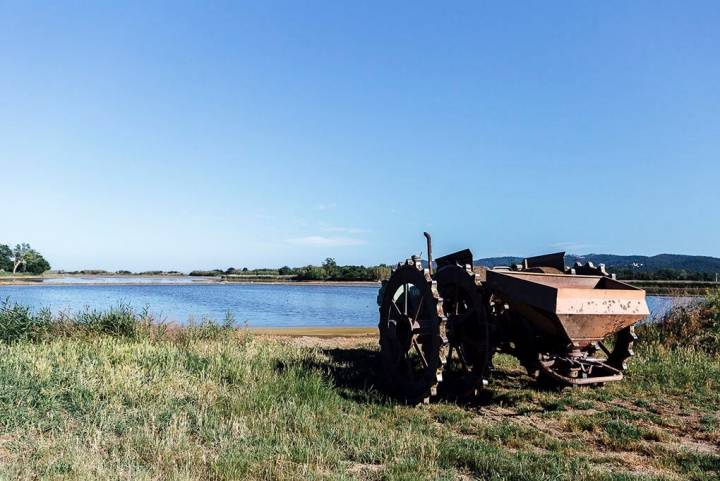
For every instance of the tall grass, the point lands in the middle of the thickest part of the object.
(20, 323)
(108, 395)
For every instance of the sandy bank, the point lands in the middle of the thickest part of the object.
(326, 332)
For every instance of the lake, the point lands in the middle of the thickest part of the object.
(257, 305)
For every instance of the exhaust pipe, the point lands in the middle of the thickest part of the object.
(429, 251)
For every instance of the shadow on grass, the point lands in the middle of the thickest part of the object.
(354, 373)
(357, 375)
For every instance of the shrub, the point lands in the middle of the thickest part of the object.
(693, 325)
(216, 272)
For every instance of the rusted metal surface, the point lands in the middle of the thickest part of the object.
(553, 261)
(553, 318)
(461, 258)
(584, 308)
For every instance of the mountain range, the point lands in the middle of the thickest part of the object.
(704, 264)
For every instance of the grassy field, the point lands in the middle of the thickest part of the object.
(106, 396)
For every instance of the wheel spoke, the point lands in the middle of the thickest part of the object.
(405, 294)
(417, 313)
(397, 309)
(392, 328)
(420, 353)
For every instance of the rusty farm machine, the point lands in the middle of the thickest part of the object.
(568, 326)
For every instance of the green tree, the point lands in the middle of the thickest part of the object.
(312, 273)
(35, 263)
(25, 257)
(330, 267)
(381, 272)
(6, 253)
(19, 256)
(285, 271)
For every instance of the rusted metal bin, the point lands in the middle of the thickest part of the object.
(582, 309)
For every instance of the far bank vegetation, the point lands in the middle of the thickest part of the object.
(329, 270)
(22, 259)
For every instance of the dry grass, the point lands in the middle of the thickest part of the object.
(214, 403)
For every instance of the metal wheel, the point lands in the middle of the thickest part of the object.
(411, 333)
(468, 325)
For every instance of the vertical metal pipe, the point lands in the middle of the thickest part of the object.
(429, 251)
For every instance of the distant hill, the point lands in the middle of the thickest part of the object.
(702, 264)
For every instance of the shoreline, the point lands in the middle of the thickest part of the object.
(204, 281)
(326, 332)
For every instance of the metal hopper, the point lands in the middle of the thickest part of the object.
(582, 309)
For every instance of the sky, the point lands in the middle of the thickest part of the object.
(190, 135)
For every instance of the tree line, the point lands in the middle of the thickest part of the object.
(629, 273)
(328, 270)
(22, 258)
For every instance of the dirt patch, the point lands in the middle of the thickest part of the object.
(323, 338)
(368, 471)
(689, 444)
(328, 342)
(634, 463)
(6, 455)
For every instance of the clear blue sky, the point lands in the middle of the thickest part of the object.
(207, 134)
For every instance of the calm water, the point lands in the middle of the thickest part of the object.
(258, 305)
(128, 280)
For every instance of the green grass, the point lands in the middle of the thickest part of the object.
(20, 323)
(87, 397)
